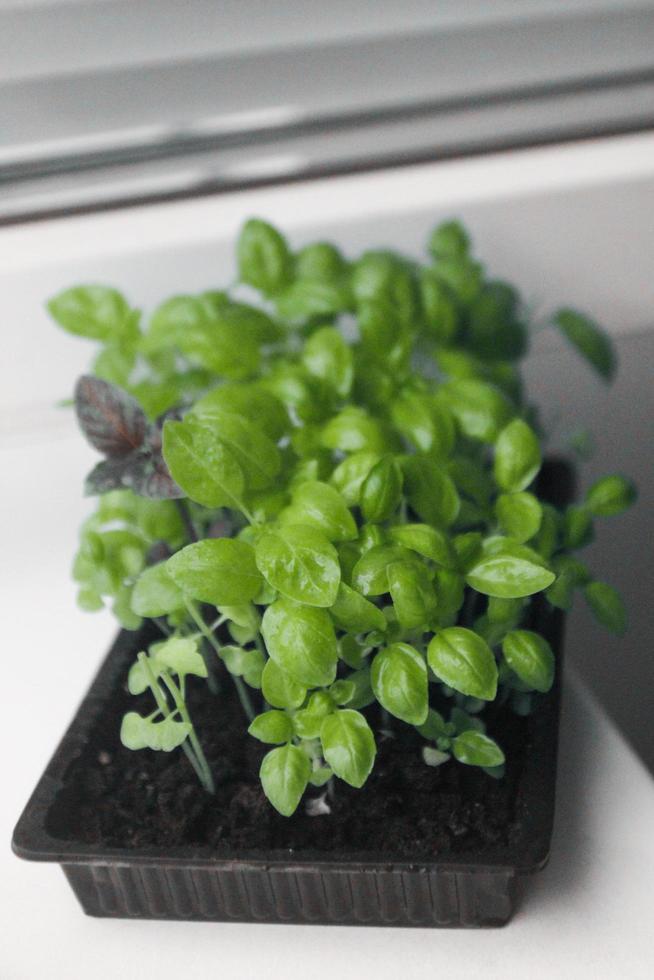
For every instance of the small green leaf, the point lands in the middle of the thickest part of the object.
(509, 575)
(205, 469)
(481, 409)
(354, 613)
(412, 592)
(218, 570)
(430, 542)
(353, 430)
(273, 727)
(349, 476)
(301, 563)
(578, 530)
(610, 495)
(181, 655)
(255, 453)
(279, 688)
(250, 401)
(96, 312)
(430, 491)
(142, 733)
(399, 680)
(433, 757)
(316, 504)
(348, 746)
(301, 640)
(247, 664)
(464, 661)
(519, 514)
(607, 607)
(320, 776)
(381, 490)
(284, 775)
(517, 456)
(155, 593)
(434, 726)
(370, 573)
(530, 656)
(472, 748)
(327, 356)
(590, 340)
(264, 259)
(449, 240)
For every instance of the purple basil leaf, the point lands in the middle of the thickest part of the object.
(112, 421)
(107, 475)
(148, 476)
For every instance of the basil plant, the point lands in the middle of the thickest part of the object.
(323, 484)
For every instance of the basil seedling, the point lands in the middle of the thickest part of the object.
(355, 544)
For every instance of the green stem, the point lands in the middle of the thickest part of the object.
(162, 705)
(206, 777)
(241, 689)
(185, 515)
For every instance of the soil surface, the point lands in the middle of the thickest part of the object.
(152, 800)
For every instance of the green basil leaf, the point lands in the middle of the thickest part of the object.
(519, 514)
(473, 748)
(412, 592)
(439, 308)
(354, 613)
(301, 640)
(517, 456)
(578, 530)
(317, 504)
(348, 746)
(449, 240)
(353, 430)
(510, 573)
(381, 491)
(96, 312)
(610, 495)
(250, 401)
(464, 661)
(155, 593)
(370, 574)
(273, 727)
(279, 688)
(306, 298)
(589, 339)
(429, 426)
(530, 656)
(494, 332)
(320, 260)
(142, 733)
(328, 356)
(350, 474)
(221, 571)
(179, 654)
(342, 691)
(205, 469)
(607, 607)
(434, 726)
(256, 454)
(399, 680)
(427, 541)
(430, 491)
(264, 259)
(284, 774)
(301, 563)
(481, 409)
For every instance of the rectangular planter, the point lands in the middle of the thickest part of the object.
(185, 883)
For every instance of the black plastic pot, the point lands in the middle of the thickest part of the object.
(185, 883)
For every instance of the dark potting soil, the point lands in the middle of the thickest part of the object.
(114, 797)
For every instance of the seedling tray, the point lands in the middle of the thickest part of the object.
(302, 887)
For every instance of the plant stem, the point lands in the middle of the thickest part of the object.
(162, 705)
(206, 778)
(241, 689)
(185, 515)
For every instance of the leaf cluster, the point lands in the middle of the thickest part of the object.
(324, 483)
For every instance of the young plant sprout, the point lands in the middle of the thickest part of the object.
(348, 531)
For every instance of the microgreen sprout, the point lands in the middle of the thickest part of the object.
(351, 532)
